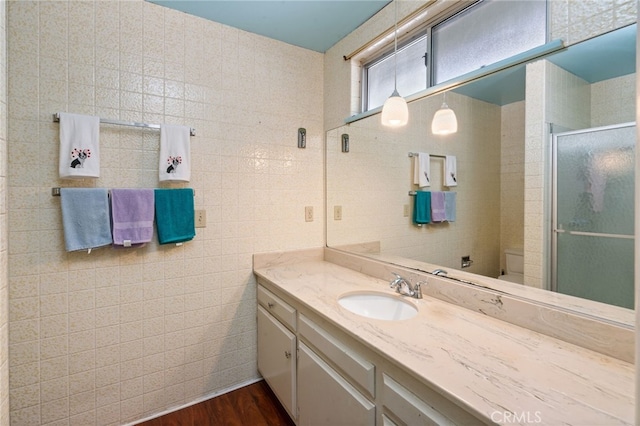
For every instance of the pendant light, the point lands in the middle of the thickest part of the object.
(395, 112)
(444, 121)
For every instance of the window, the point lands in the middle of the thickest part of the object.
(412, 72)
(484, 33)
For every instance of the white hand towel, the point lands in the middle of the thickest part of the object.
(175, 153)
(422, 169)
(79, 146)
(450, 171)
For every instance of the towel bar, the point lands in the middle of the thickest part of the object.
(192, 131)
(55, 192)
(414, 154)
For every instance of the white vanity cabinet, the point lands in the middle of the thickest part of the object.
(277, 348)
(339, 380)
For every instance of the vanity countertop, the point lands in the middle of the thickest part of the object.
(485, 365)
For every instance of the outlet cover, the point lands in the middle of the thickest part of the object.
(406, 210)
(201, 218)
(337, 212)
(308, 214)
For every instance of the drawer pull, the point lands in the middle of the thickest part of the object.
(287, 354)
(271, 305)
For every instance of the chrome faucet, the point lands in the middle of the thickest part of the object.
(441, 272)
(404, 287)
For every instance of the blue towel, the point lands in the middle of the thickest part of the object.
(85, 218)
(437, 206)
(450, 206)
(175, 215)
(422, 207)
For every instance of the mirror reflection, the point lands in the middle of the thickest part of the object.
(506, 221)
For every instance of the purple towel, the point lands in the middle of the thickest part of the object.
(437, 206)
(132, 212)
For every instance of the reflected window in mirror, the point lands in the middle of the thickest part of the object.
(481, 34)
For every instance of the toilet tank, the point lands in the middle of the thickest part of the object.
(515, 261)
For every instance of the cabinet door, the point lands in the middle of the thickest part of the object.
(325, 397)
(277, 359)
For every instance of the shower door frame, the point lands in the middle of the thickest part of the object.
(554, 200)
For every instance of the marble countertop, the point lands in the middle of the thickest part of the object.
(485, 365)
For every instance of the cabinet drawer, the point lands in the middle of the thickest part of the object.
(277, 307)
(352, 364)
(407, 407)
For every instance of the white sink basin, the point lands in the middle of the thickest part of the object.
(380, 306)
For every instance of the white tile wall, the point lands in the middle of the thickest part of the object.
(613, 101)
(511, 178)
(4, 277)
(116, 336)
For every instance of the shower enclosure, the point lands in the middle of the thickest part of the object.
(593, 214)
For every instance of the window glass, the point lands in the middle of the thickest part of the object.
(412, 73)
(486, 33)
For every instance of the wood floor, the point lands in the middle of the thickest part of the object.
(253, 405)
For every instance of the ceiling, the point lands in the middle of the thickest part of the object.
(311, 24)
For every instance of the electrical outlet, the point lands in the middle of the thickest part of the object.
(337, 212)
(201, 218)
(406, 210)
(308, 214)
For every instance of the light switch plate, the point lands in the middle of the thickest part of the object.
(308, 214)
(201, 218)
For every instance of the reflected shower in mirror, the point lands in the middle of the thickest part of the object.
(503, 154)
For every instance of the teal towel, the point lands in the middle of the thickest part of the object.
(422, 207)
(450, 206)
(85, 218)
(175, 215)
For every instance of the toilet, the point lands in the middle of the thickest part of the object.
(515, 266)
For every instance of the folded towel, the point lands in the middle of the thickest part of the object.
(85, 218)
(79, 146)
(437, 206)
(422, 169)
(132, 212)
(175, 153)
(450, 171)
(175, 215)
(422, 207)
(450, 206)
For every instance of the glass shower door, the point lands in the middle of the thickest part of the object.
(593, 220)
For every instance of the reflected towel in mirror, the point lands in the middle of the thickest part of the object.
(450, 171)
(437, 206)
(450, 206)
(422, 208)
(422, 169)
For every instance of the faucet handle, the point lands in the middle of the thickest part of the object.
(418, 289)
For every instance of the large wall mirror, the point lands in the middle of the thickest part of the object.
(581, 101)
